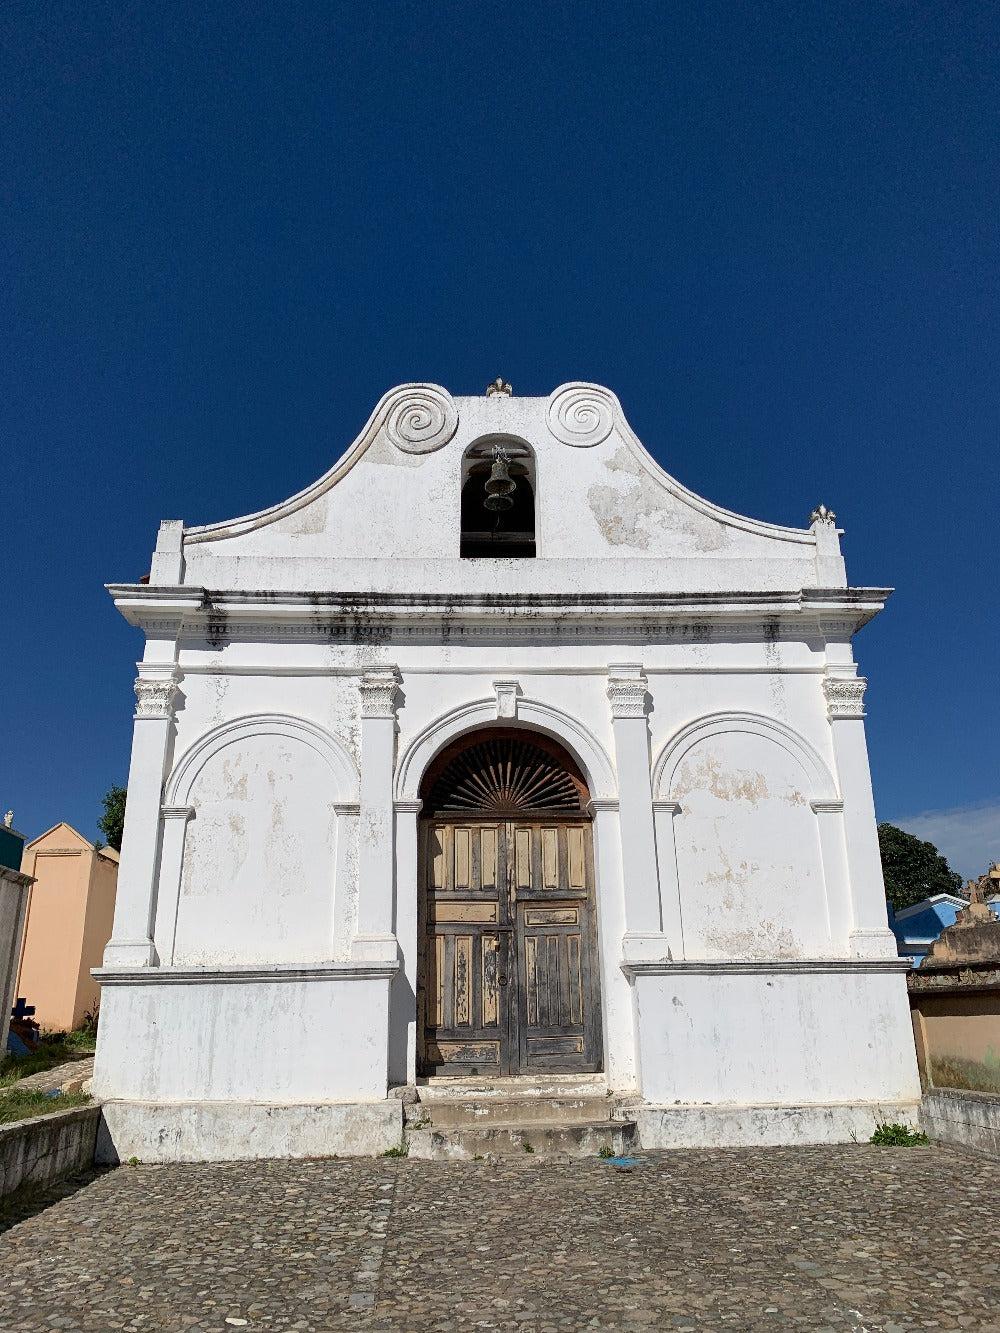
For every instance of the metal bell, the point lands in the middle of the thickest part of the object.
(499, 487)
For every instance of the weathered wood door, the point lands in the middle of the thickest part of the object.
(508, 974)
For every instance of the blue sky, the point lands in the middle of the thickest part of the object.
(770, 228)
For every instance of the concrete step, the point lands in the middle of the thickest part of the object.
(510, 1086)
(524, 1140)
(448, 1113)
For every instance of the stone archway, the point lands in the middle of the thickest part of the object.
(507, 978)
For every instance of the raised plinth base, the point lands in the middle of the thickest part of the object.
(236, 1131)
(765, 1126)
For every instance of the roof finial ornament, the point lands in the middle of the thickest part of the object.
(822, 515)
(8, 819)
(499, 388)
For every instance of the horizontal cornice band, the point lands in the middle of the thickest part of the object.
(254, 972)
(224, 611)
(765, 967)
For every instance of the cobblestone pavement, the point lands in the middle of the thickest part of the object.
(823, 1238)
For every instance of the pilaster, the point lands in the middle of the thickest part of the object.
(375, 940)
(664, 813)
(628, 697)
(403, 996)
(131, 943)
(869, 935)
(175, 821)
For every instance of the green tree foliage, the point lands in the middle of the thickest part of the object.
(110, 823)
(913, 869)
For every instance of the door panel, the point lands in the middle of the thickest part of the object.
(506, 924)
(463, 930)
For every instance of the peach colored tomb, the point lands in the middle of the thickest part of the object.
(70, 911)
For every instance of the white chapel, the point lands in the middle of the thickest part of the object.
(497, 759)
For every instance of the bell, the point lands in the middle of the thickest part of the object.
(499, 486)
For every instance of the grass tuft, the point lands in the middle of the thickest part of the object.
(22, 1103)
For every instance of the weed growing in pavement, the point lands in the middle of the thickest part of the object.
(402, 1149)
(898, 1136)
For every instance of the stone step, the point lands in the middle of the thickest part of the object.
(447, 1113)
(514, 1085)
(468, 1142)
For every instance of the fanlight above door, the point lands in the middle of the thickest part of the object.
(506, 776)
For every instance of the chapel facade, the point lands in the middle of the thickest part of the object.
(497, 754)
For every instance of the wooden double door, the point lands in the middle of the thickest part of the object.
(508, 968)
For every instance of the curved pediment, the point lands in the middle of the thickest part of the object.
(396, 495)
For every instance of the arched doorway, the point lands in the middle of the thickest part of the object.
(508, 975)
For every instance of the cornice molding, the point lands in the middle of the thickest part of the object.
(661, 967)
(252, 972)
(336, 617)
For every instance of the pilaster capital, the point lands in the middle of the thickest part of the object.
(844, 696)
(668, 807)
(155, 695)
(626, 691)
(181, 812)
(378, 692)
(602, 805)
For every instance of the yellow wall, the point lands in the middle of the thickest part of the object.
(68, 923)
(958, 1039)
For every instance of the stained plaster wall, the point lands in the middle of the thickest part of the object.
(762, 853)
(263, 836)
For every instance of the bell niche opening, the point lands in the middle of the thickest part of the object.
(498, 499)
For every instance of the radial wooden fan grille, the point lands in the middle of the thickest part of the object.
(503, 777)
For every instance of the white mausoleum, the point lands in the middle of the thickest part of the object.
(572, 785)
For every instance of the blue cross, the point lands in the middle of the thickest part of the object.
(21, 1010)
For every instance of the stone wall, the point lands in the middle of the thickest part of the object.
(47, 1147)
(969, 1120)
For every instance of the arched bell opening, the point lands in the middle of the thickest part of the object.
(498, 499)
(508, 979)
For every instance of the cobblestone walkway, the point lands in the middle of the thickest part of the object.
(820, 1238)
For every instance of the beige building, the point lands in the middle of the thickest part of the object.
(70, 910)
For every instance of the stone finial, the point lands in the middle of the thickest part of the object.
(823, 515)
(8, 819)
(974, 938)
(976, 891)
(499, 388)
